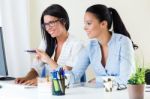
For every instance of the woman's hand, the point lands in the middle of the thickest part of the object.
(32, 82)
(92, 80)
(41, 55)
(67, 68)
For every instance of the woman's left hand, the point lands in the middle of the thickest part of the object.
(92, 80)
(41, 55)
(32, 82)
(67, 68)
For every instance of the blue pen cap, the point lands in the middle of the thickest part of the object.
(54, 74)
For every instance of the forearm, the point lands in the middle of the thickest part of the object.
(32, 74)
(121, 80)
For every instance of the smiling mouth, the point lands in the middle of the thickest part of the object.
(88, 32)
(51, 32)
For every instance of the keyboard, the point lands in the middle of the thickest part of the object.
(6, 78)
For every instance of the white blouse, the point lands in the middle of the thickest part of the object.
(69, 52)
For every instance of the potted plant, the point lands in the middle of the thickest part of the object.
(136, 83)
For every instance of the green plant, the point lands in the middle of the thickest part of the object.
(138, 77)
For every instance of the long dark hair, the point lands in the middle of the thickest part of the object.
(59, 12)
(112, 17)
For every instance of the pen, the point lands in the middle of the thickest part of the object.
(60, 82)
(62, 76)
(31, 51)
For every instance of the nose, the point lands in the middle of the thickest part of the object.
(48, 28)
(85, 28)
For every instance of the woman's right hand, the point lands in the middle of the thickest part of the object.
(43, 56)
(20, 80)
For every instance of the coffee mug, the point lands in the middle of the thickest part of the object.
(108, 83)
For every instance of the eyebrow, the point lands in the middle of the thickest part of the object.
(51, 21)
(88, 21)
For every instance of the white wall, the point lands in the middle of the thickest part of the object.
(24, 21)
(0, 14)
(16, 35)
(135, 15)
(0, 20)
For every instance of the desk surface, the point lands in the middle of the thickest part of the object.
(13, 91)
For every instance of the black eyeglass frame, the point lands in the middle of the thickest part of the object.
(51, 23)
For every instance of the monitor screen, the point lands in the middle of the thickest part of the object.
(3, 65)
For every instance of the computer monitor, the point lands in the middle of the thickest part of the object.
(3, 65)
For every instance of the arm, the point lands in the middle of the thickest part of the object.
(80, 65)
(127, 62)
(75, 50)
(42, 56)
(31, 75)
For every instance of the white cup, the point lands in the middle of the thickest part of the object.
(108, 83)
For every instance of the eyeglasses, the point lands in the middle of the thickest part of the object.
(50, 24)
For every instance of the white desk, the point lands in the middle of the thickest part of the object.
(12, 91)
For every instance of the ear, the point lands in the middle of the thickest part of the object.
(104, 24)
(63, 21)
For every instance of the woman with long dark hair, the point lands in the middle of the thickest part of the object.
(58, 48)
(111, 53)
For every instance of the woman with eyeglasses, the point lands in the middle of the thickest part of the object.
(58, 48)
(111, 50)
